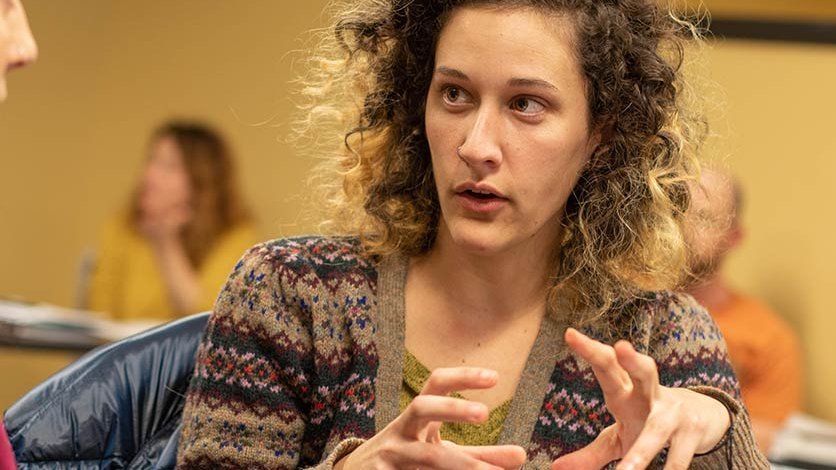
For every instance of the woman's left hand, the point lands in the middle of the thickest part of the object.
(648, 416)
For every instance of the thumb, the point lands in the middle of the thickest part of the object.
(503, 456)
(597, 454)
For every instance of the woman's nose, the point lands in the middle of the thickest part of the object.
(481, 146)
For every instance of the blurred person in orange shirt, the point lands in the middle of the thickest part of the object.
(182, 233)
(763, 349)
(17, 49)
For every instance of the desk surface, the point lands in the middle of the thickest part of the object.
(50, 326)
(38, 340)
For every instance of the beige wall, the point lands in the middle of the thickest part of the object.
(779, 134)
(781, 10)
(73, 130)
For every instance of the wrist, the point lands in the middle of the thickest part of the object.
(721, 422)
(340, 457)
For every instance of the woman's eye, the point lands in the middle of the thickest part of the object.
(452, 94)
(527, 105)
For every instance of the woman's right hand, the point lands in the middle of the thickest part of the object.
(413, 441)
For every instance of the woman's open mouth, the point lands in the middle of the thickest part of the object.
(480, 201)
(480, 194)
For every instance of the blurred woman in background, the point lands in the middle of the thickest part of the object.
(184, 229)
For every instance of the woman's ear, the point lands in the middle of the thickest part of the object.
(602, 133)
(597, 137)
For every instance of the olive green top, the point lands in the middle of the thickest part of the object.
(487, 433)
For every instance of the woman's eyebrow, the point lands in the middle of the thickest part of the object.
(451, 72)
(532, 82)
(514, 82)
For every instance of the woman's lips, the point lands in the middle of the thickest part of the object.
(480, 202)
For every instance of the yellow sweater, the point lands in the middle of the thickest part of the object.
(127, 282)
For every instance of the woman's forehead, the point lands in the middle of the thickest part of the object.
(508, 42)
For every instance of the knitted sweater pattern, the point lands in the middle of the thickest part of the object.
(302, 360)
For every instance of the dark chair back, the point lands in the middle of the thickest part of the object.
(118, 406)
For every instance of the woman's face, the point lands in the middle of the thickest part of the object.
(508, 91)
(17, 46)
(165, 183)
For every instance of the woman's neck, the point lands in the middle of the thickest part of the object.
(468, 310)
(499, 287)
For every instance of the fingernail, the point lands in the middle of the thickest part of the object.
(627, 466)
(476, 412)
(487, 375)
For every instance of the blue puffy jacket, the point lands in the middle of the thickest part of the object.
(119, 406)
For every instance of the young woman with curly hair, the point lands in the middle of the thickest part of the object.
(507, 207)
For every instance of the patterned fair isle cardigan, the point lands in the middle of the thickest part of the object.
(303, 357)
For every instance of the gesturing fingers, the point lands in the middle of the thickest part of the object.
(641, 369)
(683, 447)
(612, 378)
(603, 450)
(506, 456)
(653, 438)
(423, 418)
(648, 416)
(425, 409)
(413, 441)
(446, 380)
(421, 454)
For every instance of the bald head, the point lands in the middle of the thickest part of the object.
(712, 227)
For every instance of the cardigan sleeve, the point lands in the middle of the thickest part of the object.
(690, 352)
(249, 400)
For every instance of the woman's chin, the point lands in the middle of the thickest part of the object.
(495, 239)
(476, 243)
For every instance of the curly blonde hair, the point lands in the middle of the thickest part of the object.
(622, 234)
